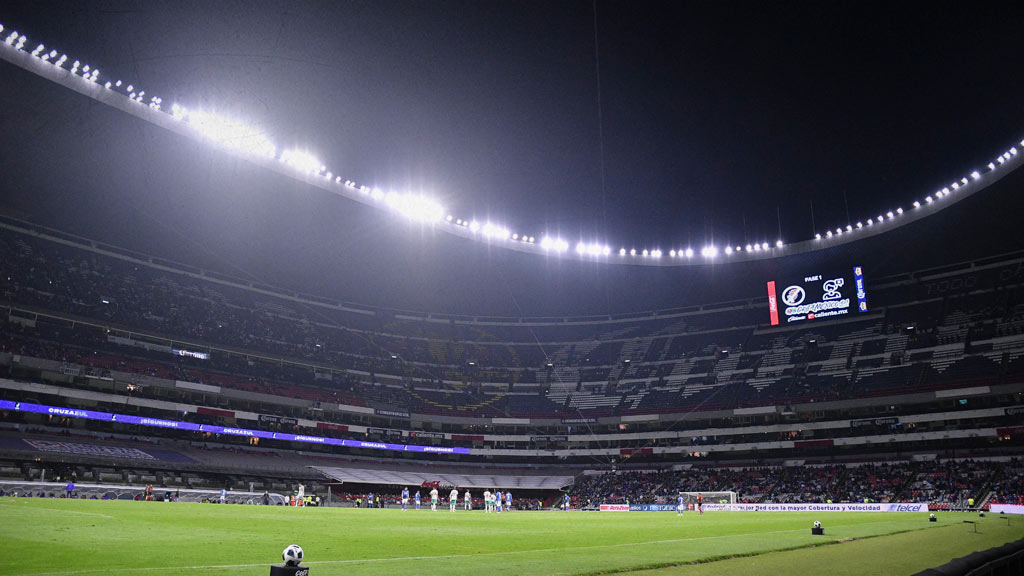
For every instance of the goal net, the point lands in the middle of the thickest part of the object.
(690, 499)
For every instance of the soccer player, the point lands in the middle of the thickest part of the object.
(433, 499)
(453, 499)
(700, 503)
(417, 499)
(508, 501)
(568, 504)
(369, 500)
(487, 501)
(302, 494)
(681, 505)
(467, 501)
(405, 498)
(497, 501)
(224, 495)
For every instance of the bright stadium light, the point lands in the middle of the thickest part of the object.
(899, 210)
(622, 251)
(764, 245)
(728, 250)
(860, 225)
(778, 243)
(632, 252)
(817, 236)
(231, 133)
(689, 252)
(415, 207)
(709, 251)
(672, 253)
(302, 161)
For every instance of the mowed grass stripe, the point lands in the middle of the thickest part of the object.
(160, 538)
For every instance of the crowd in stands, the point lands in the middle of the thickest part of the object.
(314, 348)
(943, 484)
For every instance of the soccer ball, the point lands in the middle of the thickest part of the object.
(931, 515)
(816, 525)
(292, 555)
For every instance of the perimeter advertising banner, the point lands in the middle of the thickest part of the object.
(837, 507)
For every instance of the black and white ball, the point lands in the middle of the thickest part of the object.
(817, 524)
(932, 515)
(292, 555)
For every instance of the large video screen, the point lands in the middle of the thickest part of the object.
(817, 296)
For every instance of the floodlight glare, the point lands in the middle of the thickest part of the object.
(632, 252)
(778, 243)
(672, 253)
(899, 210)
(728, 250)
(415, 207)
(231, 133)
(689, 252)
(622, 251)
(817, 236)
(975, 175)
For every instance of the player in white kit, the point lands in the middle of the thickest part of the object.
(467, 500)
(433, 499)
(453, 499)
(487, 501)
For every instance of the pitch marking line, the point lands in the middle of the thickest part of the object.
(409, 558)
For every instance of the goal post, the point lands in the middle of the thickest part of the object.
(690, 499)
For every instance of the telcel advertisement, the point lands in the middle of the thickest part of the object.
(817, 296)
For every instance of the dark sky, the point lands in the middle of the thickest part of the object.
(720, 121)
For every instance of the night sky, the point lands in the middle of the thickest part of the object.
(719, 122)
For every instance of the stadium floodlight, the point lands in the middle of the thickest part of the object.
(645, 252)
(928, 199)
(889, 215)
(899, 210)
(849, 228)
(1013, 151)
(764, 245)
(656, 253)
(415, 207)
(839, 230)
(672, 253)
(991, 166)
(778, 243)
(956, 185)
(975, 175)
(917, 204)
(871, 222)
(860, 225)
(728, 250)
(632, 252)
(749, 247)
(474, 226)
(240, 136)
(709, 251)
(516, 236)
(757, 247)
(817, 236)
(829, 234)
(622, 251)
(302, 161)
(880, 220)
(581, 248)
(1001, 160)
(945, 191)
(689, 252)
(448, 218)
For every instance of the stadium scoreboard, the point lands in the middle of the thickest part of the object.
(817, 296)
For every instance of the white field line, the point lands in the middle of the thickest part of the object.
(408, 558)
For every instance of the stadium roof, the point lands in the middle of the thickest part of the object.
(659, 127)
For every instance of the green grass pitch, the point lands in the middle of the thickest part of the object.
(71, 537)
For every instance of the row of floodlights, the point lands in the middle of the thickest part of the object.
(243, 137)
(931, 198)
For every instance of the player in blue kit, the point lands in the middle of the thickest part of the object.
(681, 505)
(497, 501)
(405, 499)
(417, 499)
(568, 504)
(508, 501)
